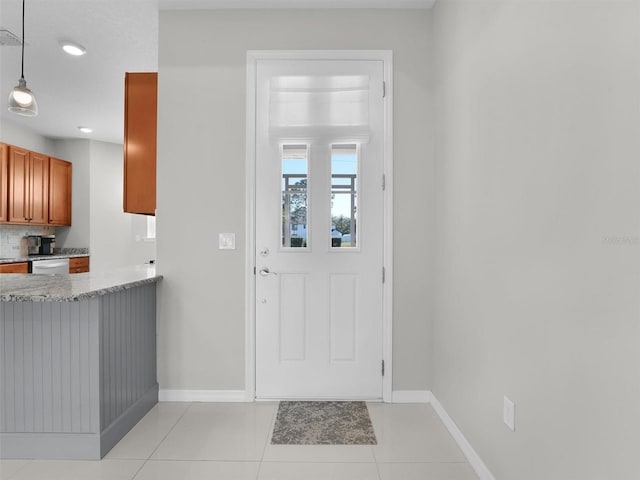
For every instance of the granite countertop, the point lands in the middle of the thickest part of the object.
(63, 253)
(71, 288)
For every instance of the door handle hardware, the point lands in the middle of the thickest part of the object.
(265, 272)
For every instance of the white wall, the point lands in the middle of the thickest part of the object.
(14, 134)
(538, 188)
(115, 236)
(201, 180)
(78, 152)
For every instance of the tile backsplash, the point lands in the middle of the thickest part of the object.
(12, 241)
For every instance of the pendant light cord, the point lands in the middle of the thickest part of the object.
(22, 66)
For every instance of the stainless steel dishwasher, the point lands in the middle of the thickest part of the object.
(54, 266)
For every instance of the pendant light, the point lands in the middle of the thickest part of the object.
(21, 99)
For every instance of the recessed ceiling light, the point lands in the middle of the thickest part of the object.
(85, 129)
(73, 48)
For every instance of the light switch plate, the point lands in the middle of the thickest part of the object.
(227, 241)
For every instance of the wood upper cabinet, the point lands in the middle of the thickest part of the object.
(4, 182)
(28, 187)
(34, 188)
(140, 127)
(59, 192)
(39, 188)
(18, 185)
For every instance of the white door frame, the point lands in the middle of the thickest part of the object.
(253, 56)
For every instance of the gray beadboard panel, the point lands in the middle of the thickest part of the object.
(46, 365)
(64, 366)
(111, 435)
(76, 370)
(94, 364)
(6, 371)
(56, 370)
(128, 349)
(74, 446)
(15, 384)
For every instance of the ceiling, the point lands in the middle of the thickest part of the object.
(120, 36)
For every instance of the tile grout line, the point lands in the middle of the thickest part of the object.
(269, 435)
(162, 440)
(27, 462)
(144, 462)
(373, 451)
(378, 470)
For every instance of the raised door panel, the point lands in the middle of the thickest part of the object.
(59, 192)
(39, 188)
(4, 182)
(19, 185)
(140, 126)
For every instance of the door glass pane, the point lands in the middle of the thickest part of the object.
(344, 199)
(295, 168)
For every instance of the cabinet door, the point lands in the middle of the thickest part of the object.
(28, 186)
(22, 267)
(140, 125)
(79, 265)
(19, 193)
(39, 188)
(59, 192)
(4, 182)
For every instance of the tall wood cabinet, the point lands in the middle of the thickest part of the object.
(28, 187)
(140, 126)
(59, 192)
(4, 182)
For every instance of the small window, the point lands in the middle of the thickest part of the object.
(344, 198)
(295, 168)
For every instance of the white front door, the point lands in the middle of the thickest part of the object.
(319, 229)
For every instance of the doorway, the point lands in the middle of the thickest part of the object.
(320, 286)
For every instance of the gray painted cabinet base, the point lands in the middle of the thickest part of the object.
(76, 376)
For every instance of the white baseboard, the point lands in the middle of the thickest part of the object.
(472, 456)
(167, 395)
(410, 396)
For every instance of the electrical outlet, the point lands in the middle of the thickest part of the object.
(509, 414)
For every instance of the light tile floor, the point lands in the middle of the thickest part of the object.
(223, 441)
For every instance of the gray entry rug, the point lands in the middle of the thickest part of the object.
(323, 423)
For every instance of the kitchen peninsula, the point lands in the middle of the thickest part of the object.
(77, 361)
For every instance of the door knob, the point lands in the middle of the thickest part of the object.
(265, 272)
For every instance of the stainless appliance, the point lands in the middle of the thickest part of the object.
(58, 266)
(47, 244)
(33, 244)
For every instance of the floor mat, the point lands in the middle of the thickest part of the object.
(323, 423)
